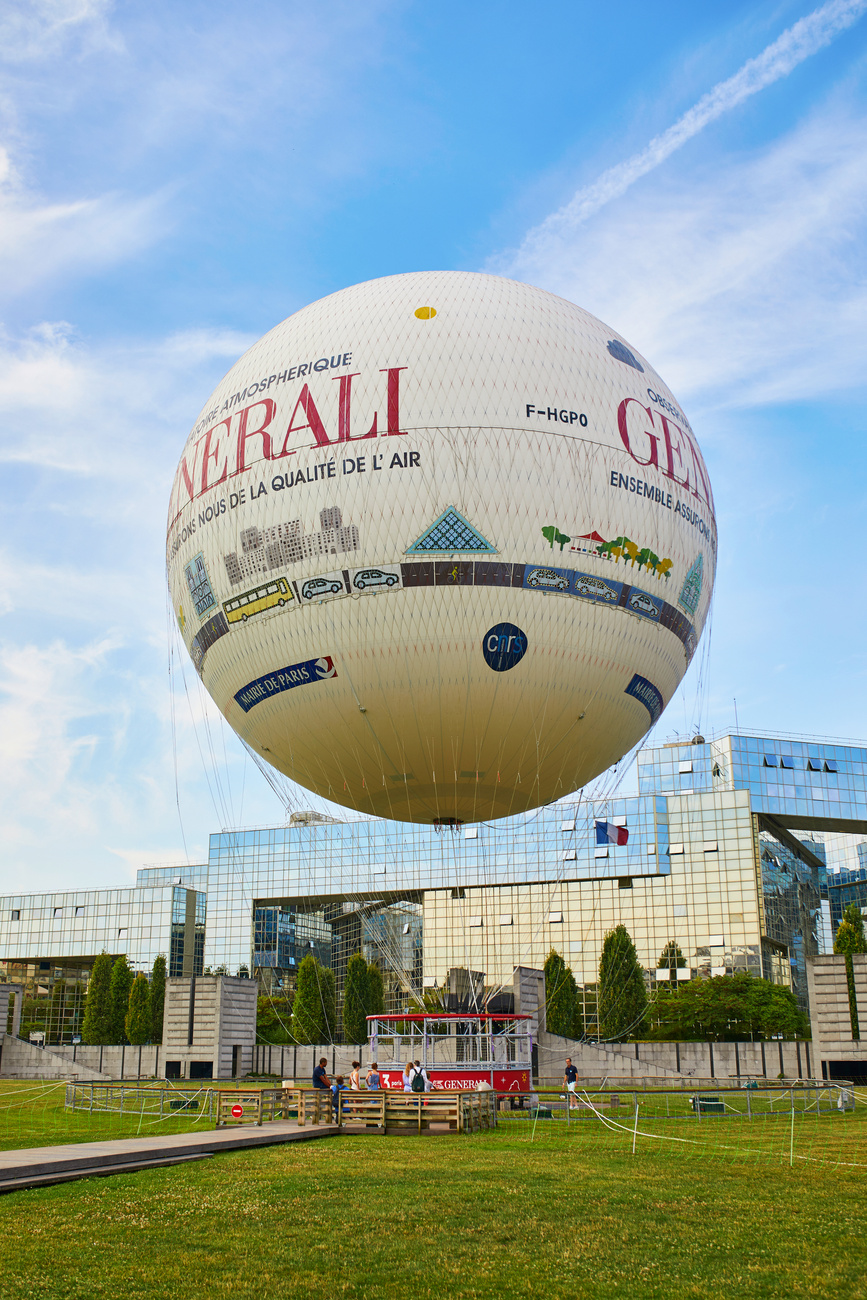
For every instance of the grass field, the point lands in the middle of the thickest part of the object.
(488, 1215)
(33, 1114)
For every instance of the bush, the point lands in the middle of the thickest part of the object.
(273, 1020)
(727, 1007)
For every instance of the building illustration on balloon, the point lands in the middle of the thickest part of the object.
(273, 547)
(456, 473)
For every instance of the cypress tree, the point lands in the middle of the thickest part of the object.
(314, 1010)
(328, 996)
(138, 1018)
(622, 995)
(560, 991)
(158, 998)
(355, 999)
(96, 1026)
(375, 991)
(120, 988)
(848, 939)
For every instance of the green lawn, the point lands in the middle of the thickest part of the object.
(33, 1114)
(488, 1215)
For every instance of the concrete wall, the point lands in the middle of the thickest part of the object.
(15, 992)
(115, 1062)
(830, 1013)
(22, 1060)
(210, 1018)
(675, 1061)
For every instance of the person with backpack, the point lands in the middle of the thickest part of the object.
(337, 1087)
(418, 1078)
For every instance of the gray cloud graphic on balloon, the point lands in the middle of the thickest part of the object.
(621, 353)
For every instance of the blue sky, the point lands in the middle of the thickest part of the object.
(176, 178)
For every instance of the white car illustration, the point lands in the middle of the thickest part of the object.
(593, 587)
(374, 578)
(321, 587)
(643, 604)
(547, 578)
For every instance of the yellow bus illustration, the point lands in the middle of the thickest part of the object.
(242, 607)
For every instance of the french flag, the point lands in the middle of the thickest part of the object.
(608, 833)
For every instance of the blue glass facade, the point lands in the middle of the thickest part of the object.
(724, 857)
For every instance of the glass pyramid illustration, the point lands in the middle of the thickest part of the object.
(451, 532)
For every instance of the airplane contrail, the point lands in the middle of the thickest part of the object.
(797, 43)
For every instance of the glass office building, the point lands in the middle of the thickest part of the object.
(724, 856)
(49, 942)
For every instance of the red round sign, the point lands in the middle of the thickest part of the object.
(237, 1111)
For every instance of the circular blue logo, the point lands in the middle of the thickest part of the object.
(503, 646)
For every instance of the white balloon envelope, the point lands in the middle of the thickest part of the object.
(441, 546)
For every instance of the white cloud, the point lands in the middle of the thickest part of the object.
(805, 38)
(42, 242)
(37, 30)
(744, 280)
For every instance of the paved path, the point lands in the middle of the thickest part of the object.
(41, 1166)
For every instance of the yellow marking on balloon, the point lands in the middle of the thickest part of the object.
(425, 313)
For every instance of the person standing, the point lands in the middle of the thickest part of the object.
(355, 1076)
(407, 1076)
(372, 1080)
(320, 1076)
(570, 1083)
(418, 1078)
(337, 1087)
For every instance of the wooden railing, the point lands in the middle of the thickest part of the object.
(388, 1111)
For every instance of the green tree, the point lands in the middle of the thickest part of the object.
(621, 995)
(120, 987)
(138, 1020)
(356, 997)
(375, 991)
(727, 1007)
(273, 1020)
(850, 939)
(96, 1027)
(560, 992)
(158, 998)
(672, 959)
(314, 1011)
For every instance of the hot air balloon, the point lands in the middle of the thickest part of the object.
(441, 547)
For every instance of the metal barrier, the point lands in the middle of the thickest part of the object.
(385, 1111)
(155, 1103)
(747, 1102)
